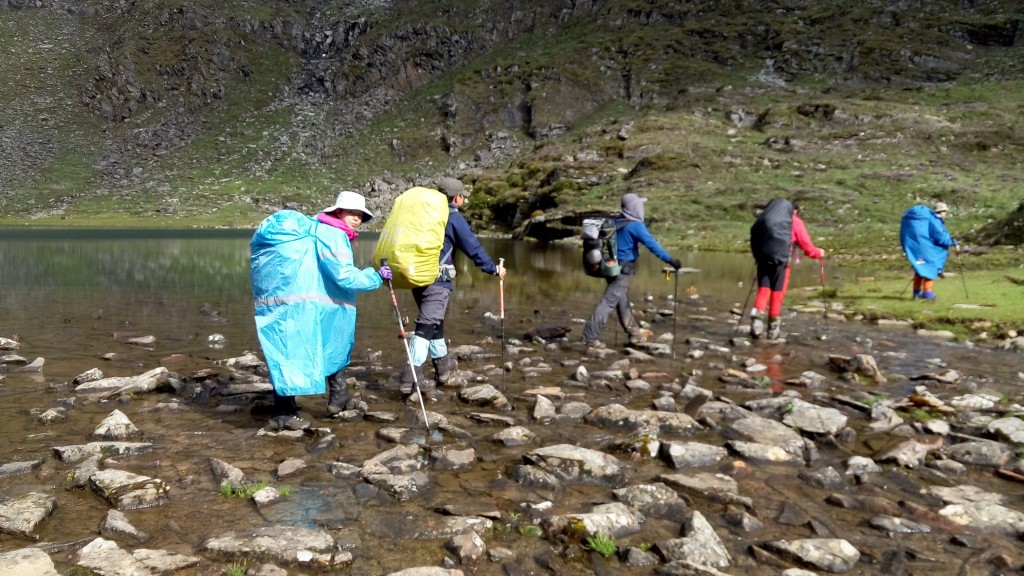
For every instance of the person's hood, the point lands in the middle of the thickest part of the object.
(633, 207)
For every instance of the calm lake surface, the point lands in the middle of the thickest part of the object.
(73, 296)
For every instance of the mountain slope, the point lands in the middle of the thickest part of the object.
(169, 113)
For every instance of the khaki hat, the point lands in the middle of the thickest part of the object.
(452, 187)
(350, 201)
(940, 207)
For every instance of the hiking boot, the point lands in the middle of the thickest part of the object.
(917, 294)
(774, 329)
(640, 336)
(337, 394)
(593, 344)
(406, 382)
(443, 368)
(756, 326)
(927, 295)
(288, 422)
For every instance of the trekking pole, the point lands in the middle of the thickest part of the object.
(501, 309)
(909, 282)
(821, 266)
(675, 305)
(745, 302)
(960, 265)
(408, 354)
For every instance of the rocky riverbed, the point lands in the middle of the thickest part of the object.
(844, 448)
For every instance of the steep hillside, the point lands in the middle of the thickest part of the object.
(174, 113)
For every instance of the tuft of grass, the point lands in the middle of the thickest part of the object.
(244, 491)
(602, 544)
(237, 569)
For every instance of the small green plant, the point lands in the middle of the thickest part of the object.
(243, 491)
(645, 546)
(237, 569)
(530, 531)
(602, 544)
(285, 491)
(874, 399)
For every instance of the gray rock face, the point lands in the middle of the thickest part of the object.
(19, 468)
(115, 526)
(145, 382)
(766, 431)
(808, 417)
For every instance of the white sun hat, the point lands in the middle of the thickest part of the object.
(350, 201)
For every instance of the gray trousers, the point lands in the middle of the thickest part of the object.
(615, 297)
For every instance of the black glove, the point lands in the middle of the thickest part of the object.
(676, 263)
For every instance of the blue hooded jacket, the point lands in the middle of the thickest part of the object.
(304, 285)
(925, 241)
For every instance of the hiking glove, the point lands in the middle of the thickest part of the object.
(385, 272)
(676, 263)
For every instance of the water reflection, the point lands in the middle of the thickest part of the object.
(66, 291)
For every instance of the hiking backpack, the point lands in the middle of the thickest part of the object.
(600, 248)
(413, 236)
(771, 236)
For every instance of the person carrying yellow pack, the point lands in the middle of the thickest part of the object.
(416, 231)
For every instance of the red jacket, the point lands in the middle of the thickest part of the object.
(802, 239)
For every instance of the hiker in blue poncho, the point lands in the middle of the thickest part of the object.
(632, 232)
(926, 242)
(304, 285)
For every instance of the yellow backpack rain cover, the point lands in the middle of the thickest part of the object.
(413, 236)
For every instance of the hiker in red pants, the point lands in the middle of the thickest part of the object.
(773, 237)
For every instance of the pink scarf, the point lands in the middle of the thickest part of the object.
(332, 220)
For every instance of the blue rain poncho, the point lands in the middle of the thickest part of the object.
(925, 241)
(304, 285)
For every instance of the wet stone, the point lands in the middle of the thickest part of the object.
(19, 468)
(115, 526)
(895, 525)
(618, 416)
(615, 519)
(980, 453)
(116, 426)
(830, 554)
(469, 548)
(534, 477)
(654, 500)
(828, 477)
(1008, 429)
(27, 562)
(514, 436)
(814, 419)
(23, 516)
(452, 459)
(128, 491)
(580, 465)
(692, 454)
(700, 544)
(287, 545)
(543, 410)
(765, 431)
(574, 410)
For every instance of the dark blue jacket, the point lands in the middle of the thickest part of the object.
(459, 235)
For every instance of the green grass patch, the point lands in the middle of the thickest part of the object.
(991, 303)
